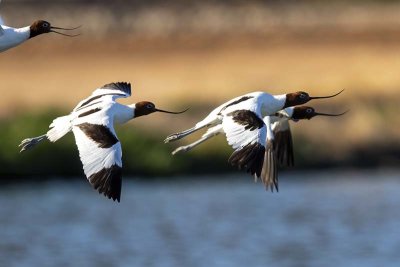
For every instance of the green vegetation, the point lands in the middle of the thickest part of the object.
(145, 154)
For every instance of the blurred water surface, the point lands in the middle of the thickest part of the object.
(317, 219)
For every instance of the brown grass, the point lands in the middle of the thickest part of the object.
(54, 71)
(50, 70)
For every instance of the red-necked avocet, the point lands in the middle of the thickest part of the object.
(241, 120)
(92, 122)
(11, 37)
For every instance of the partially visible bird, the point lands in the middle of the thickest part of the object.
(92, 122)
(279, 141)
(241, 120)
(11, 37)
(283, 144)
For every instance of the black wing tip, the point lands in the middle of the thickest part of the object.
(250, 157)
(108, 182)
(269, 174)
(284, 148)
(113, 197)
(272, 186)
(122, 86)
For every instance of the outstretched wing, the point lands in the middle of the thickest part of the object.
(269, 174)
(1, 28)
(246, 133)
(283, 142)
(109, 91)
(100, 152)
(1, 23)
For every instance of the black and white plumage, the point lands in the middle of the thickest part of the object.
(92, 123)
(248, 134)
(11, 37)
(283, 141)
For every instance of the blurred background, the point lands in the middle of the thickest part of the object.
(338, 206)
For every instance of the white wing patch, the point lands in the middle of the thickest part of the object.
(246, 133)
(101, 155)
(238, 136)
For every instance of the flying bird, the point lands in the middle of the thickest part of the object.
(92, 123)
(283, 144)
(241, 119)
(11, 37)
(279, 140)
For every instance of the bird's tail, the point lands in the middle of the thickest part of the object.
(59, 127)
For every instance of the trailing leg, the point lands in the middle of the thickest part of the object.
(210, 133)
(177, 136)
(31, 142)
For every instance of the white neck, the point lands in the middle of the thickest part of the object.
(13, 37)
(272, 104)
(287, 112)
(123, 113)
(24, 32)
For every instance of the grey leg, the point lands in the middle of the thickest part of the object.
(192, 145)
(177, 136)
(31, 142)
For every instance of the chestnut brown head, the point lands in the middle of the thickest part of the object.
(305, 112)
(146, 108)
(299, 98)
(41, 26)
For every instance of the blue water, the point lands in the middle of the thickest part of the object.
(317, 219)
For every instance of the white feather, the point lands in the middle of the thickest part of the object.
(59, 127)
(238, 137)
(93, 157)
(12, 37)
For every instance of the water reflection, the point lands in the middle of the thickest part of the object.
(342, 219)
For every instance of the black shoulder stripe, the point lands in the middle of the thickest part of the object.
(108, 182)
(247, 118)
(99, 133)
(94, 98)
(244, 98)
(91, 104)
(250, 157)
(89, 112)
(89, 100)
(120, 86)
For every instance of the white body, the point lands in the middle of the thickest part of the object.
(11, 37)
(93, 157)
(273, 124)
(92, 122)
(262, 103)
(241, 121)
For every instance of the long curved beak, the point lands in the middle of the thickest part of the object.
(320, 97)
(66, 29)
(171, 112)
(331, 115)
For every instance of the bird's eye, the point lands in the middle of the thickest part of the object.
(309, 110)
(302, 96)
(149, 106)
(45, 25)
